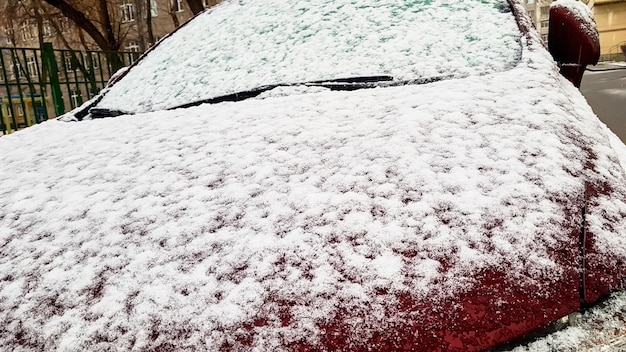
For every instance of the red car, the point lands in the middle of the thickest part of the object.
(345, 175)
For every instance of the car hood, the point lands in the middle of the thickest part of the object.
(312, 219)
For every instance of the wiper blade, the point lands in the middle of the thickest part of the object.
(239, 96)
(353, 83)
(90, 110)
(344, 84)
(350, 80)
(350, 83)
(98, 113)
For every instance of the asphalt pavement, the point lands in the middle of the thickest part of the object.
(604, 87)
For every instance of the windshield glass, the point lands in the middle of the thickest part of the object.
(241, 45)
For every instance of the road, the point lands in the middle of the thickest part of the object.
(605, 89)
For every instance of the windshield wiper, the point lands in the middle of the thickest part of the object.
(350, 83)
(98, 113)
(344, 84)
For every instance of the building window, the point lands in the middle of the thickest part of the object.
(132, 46)
(26, 30)
(544, 37)
(545, 24)
(176, 5)
(17, 71)
(128, 11)
(545, 10)
(77, 100)
(20, 109)
(68, 62)
(10, 36)
(64, 24)
(93, 62)
(531, 13)
(31, 66)
(154, 9)
(47, 29)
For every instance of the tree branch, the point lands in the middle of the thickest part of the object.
(105, 43)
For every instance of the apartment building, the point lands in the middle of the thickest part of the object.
(539, 12)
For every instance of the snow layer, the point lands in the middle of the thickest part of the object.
(237, 46)
(188, 229)
(179, 227)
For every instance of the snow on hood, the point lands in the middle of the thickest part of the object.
(184, 228)
(238, 46)
(180, 227)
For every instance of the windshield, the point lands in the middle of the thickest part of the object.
(240, 45)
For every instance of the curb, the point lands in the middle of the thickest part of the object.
(601, 67)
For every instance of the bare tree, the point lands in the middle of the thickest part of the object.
(101, 28)
(8, 19)
(149, 28)
(104, 37)
(32, 19)
(172, 11)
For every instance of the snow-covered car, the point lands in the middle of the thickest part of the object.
(331, 175)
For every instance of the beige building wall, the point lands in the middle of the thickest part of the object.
(610, 16)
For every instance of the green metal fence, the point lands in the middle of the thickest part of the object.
(38, 84)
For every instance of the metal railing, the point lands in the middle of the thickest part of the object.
(41, 83)
(616, 53)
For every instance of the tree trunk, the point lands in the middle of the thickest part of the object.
(195, 6)
(38, 20)
(174, 16)
(149, 22)
(141, 10)
(105, 20)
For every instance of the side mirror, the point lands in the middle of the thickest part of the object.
(573, 38)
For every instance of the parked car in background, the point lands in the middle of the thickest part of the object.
(316, 176)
